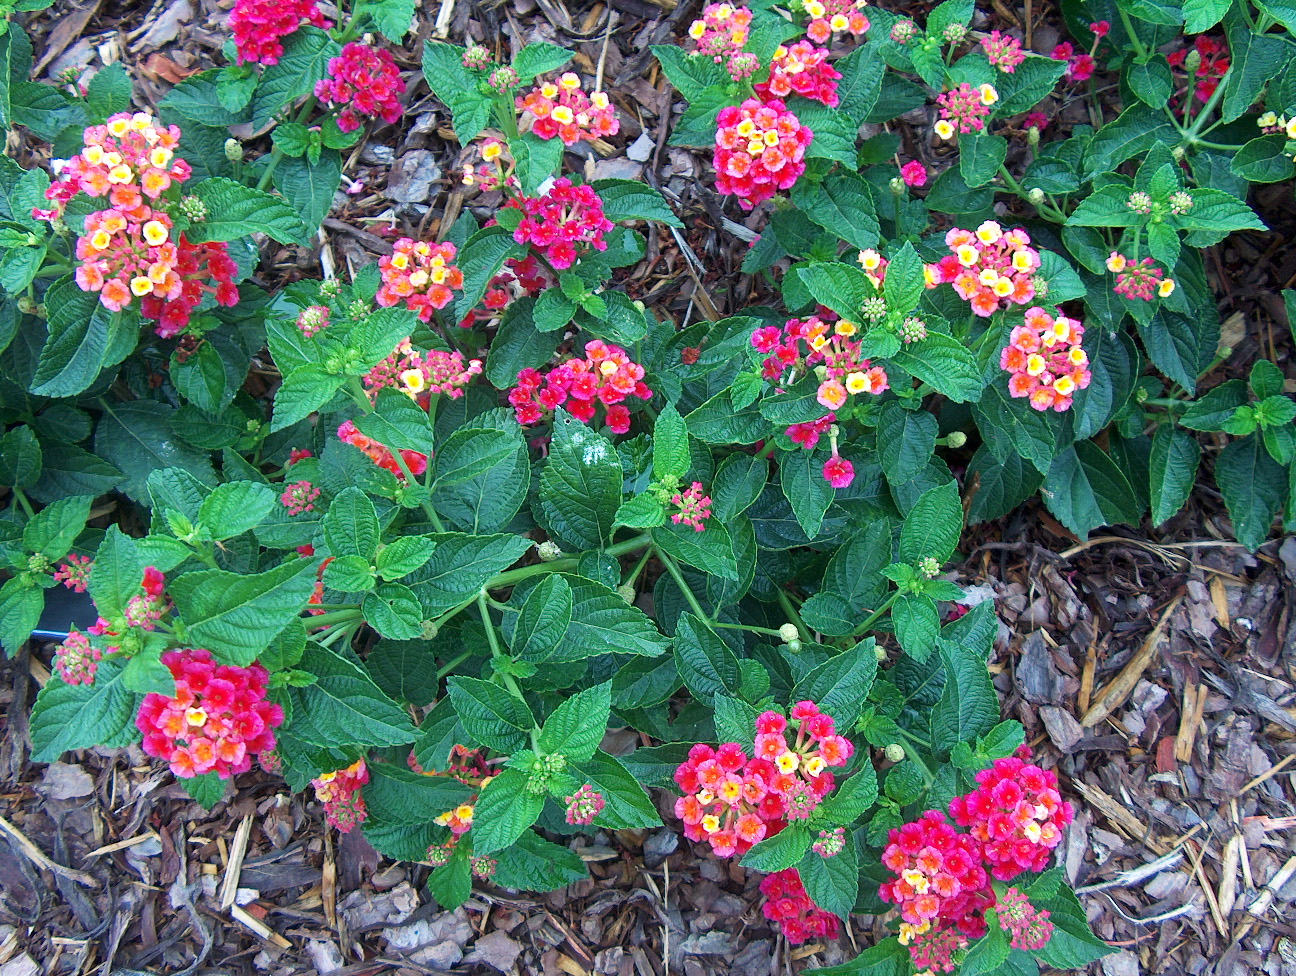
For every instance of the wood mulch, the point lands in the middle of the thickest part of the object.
(1156, 670)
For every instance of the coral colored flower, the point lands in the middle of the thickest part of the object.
(797, 916)
(584, 805)
(1003, 51)
(77, 660)
(694, 507)
(339, 791)
(563, 110)
(829, 17)
(807, 434)
(914, 173)
(75, 572)
(127, 159)
(259, 26)
(805, 345)
(1017, 814)
(760, 149)
(989, 268)
(564, 224)
(606, 376)
(421, 275)
(217, 721)
(1046, 360)
(801, 69)
(362, 81)
(381, 455)
(938, 875)
(721, 33)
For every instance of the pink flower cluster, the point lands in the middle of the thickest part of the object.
(1028, 926)
(313, 319)
(381, 455)
(964, 109)
(760, 149)
(420, 274)
(259, 26)
(217, 721)
(128, 158)
(565, 111)
(807, 434)
(939, 876)
(564, 224)
(826, 344)
(75, 572)
(584, 805)
(1046, 360)
(1139, 280)
(788, 904)
(694, 507)
(913, 173)
(733, 802)
(605, 376)
(1016, 814)
(721, 34)
(801, 69)
(990, 267)
(362, 80)
(829, 17)
(1003, 51)
(77, 660)
(1080, 67)
(299, 497)
(339, 791)
(421, 375)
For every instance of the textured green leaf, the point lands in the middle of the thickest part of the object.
(398, 795)
(1254, 487)
(351, 525)
(136, 438)
(806, 489)
(580, 487)
(304, 62)
(481, 477)
(235, 507)
(968, 706)
(344, 705)
(235, 210)
(690, 75)
(705, 662)
(1174, 461)
(625, 200)
(832, 882)
(1002, 485)
(53, 529)
(843, 204)
(933, 525)
(577, 726)
(626, 805)
(394, 611)
(781, 851)
(504, 810)
(68, 717)
(944, 363)
(544, 618)
(709, 550)
(1085, 488)
(80, 329)
(490, 714)
(535, 864)
(461, 565)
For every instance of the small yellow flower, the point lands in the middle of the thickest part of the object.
(607, 367)
(855, 383)
(600, 100)
(815, 764)
(1078, 357)
(845, 328)
(870, 260)
(414, 381)
(989, 95)
(788, 762)
(745, 128)
(916, 880)
(1116, 262)
(724, 12)
(932, 275)
(1266, 120)
(710, 823)
(141, 121)
(120, 173)
(119, 127)
(570, 80)
(1291, 127)
(549, 90)
(814, 9)
(1064, 385)
(1021, 261)
(968, 255)
(418, 278)
(491, 151)
(196, 717)
(93, 155)
(697, 30)
(988, 277)
(755, 147)
(160, 156)
(945, 129)
(141, 285)
(989, 232)
(100, 239)
(563, 115)
(155, 232)
(1003, 287)
(1166, 288)
(1032, 832)
(1035, 364)
(839, 22)
(400, 261)
(464, 813)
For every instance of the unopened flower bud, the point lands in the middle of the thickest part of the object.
(627, 592)
(929, 566)
(880, 653)
(956, 438)
(897, 186)
(1035, 196)
(1177, 153)
(1192, 62)
(794, 646)
(895, 752)
(1033, 136)
(234, 150)
(548, 551)
(430, 629)
(789, 632)
(193, 208)
(954, 33)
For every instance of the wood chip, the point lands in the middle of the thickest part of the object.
(258, 927)
(1111, 697)
(234, 867)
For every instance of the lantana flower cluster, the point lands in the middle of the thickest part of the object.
(1139, 280)
(519, 277)
(469, 767)
(422, 275)
(74, 573)
(829, 17)
(801, 69)
(77, 660)
(381, 455)
(693, 507)
(299, 497)
(788, 904)
(733, 801)
(606, 377)
(760, 149)
(964, 109)
(1212, 62)
(1271, 123)
(721, 34)
(584, 805)
(421, 375)
(1046, 360)
(942, 877)
(259, 26)
(339, 791)
(1003, 51)
(362, 81)
(1080, 66)
(217, 721)
(990, 268)
(565, 111)
(141, 613)
(564, 224)
(827, 344)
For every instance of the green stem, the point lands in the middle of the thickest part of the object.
(1209, 107)
(767, 450)
(497, 653)
(1042, 208)
(276, 154)
(453, 663)
(1129, 29)
(912, 753)
(748, 627)
(638, 568)
(1204, 144)
(876, 615)
(792, 615)
(22, 501)
(678, 577)
(335, 617)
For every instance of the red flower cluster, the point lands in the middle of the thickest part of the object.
(1214, 63)
(339, 791)
(565, 111)
(520, 276)
(829, 17)
(1046, 360)
(934, 949)
(760, 149)
(913, 173)
(363, 80)
(299, 497)
(1080, 67)
(217, 721)
(420, 375)
(1017, 815)
(565, 219)
(419, 274)
(77, 660)
(606, 376)
(380, 455)
(788, 904)
(584, 805)
(733, 801)
(259, 26)
(989, 268)
(845, 371)
(807, 434)
(202, 269)
(801, 69)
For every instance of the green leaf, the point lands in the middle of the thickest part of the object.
(917, 624)
(136, 438)
(535, 864)
(207, 789)
(67, 717)
(839, 286)
(15, 64)
(1264, 160)
(705, 662)
(504, 810)
(690, 75)
(1216, 407)
(841, 684)
(710, 550)
(51, 531)
(942, 362)
(517, 345)
(456, 86)
(643, 681)
(21, 604)
(832, 882)
(537, 160)
(481, 476)
(779, 852)
(235, 210)
(1072, 946)
(344, 705)
(1254, 487)
(580, 487)
(304, 62)
(1028, 85)
(968, 706)
(577, 726)
(852, 797)
(626, 200)
(403, 555)
(1136, 130)
(670, 445)
(118, 570)
(406, 670)
(235, 507)
(861, 81)
(1151, 80)
(80, 329)
(735, 720)
(806, 489)
(544, 618)
(980, 157)
(394, 611)
(906, 441)
(1002, 485)
(626, 805)
(236, 616)
(351, 525)
(536, 59)
(843, 204)
(451, 883)
(1181, 346)
(933, 525)
(461, 565)
(989, 952)
(396, 794)
(1011, 425)
(1085, 488)
(305, 389)
(309, 186)
(737, 484)
(1174, 460)
(490, 714)
(641, 512)
(1254, 59)
(1202, 15)
(197, 99)
(392, 18)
